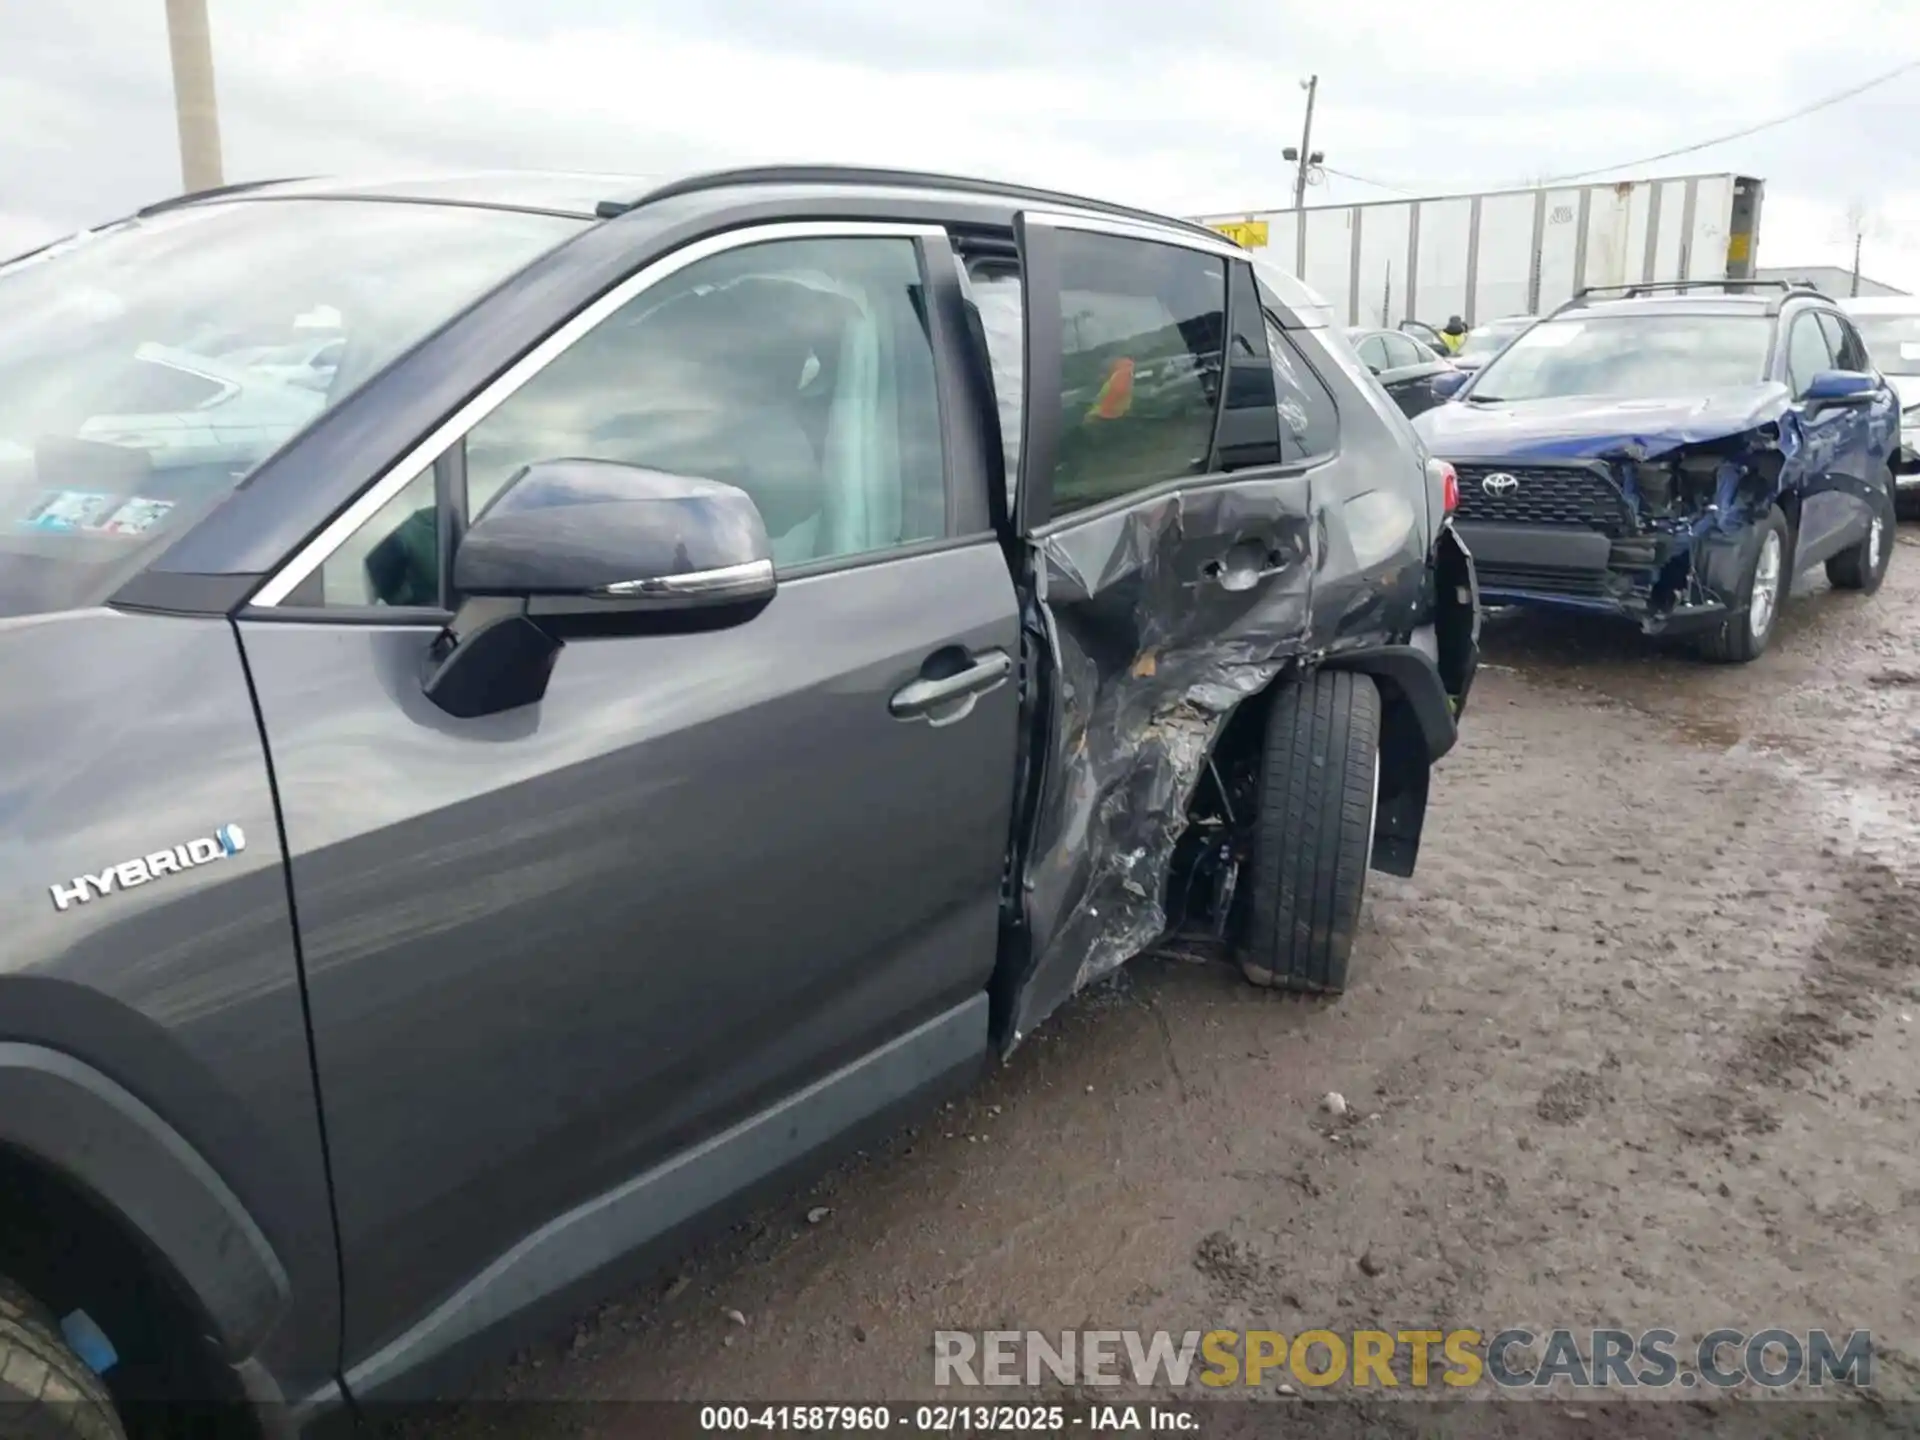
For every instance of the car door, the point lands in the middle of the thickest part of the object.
(1410, 371)
(577, 970)
(1372, 348)
(1826, 509)
(1870, 430)
(1428, 337)
(1171, 546)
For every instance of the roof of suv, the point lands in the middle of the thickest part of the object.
(1672, 305)
(591, 196)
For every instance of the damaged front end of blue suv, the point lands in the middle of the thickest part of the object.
(1674, 459)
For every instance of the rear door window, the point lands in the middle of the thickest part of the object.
(1249, 418)
(1143, 328)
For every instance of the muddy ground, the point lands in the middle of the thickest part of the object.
(1636, 1047)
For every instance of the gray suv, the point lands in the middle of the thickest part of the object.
(713, 669)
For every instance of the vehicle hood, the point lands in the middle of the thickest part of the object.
(1583, 427)
(1907, 387)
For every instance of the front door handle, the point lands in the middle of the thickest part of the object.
(946, 698)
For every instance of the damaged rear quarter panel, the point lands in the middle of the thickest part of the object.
(1152, 650)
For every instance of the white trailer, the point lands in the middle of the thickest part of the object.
(1508, 252)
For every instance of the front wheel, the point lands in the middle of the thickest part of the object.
(1864, 566)
(1313, 833)
(46, 1391)
(1764, 586)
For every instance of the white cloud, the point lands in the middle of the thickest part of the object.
(1180, 107)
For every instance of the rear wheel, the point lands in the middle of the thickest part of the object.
(1313, 834)
(1864, 566)
(46, 1391)
(1763, 589)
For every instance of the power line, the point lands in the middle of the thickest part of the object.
(1824, 103)
(1377, 184)
(1805, 110)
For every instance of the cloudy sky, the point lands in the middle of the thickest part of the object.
(1182, 107)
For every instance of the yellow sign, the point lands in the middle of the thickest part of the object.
(1247, 234)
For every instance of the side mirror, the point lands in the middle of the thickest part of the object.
(1447, 383)
(1372, 369)
(590, 547)
(1840, 387)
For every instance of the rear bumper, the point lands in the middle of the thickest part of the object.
(1647, 580)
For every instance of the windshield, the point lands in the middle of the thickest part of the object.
(1629, 355)
(1893, 341)
(146, 369)
(1483, 340)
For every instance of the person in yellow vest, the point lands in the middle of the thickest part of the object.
(1454, 334)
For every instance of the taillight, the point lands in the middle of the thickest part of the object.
(1449, 486)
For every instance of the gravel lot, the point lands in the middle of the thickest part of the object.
(1636, 1047)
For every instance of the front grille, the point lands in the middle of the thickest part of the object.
(1543, 581)
(1560, 495)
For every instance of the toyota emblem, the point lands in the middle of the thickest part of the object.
(1500, 483)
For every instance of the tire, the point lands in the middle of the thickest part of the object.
(46, 1391)
(1313, 836)
(1739, 637)
(1864, 566)
(1906, 504)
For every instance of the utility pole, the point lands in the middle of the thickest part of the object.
(1307, 157)
(1860, 221)
(194, 105)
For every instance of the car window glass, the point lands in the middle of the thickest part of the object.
(1848, 353)
(1249, 417)
(995, 288)
(1893, 340)
(1628, 355)
(1309, 424)
(1403, 351)
(393, 559)
(1142, 335)
(1807, 353)
(1373, 350)
(799, 370)
(149, 367)
(1854, 356)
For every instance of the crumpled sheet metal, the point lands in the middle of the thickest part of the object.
(1151, 662)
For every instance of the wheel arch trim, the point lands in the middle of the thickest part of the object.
(65, 1114)
(1415, 675)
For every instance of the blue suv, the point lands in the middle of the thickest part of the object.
(1675, 455)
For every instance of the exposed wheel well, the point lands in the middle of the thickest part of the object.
(1404, 764)
(71, 1253)
(1224, 800)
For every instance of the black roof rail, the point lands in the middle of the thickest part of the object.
(1640, 288)
(1630, 289)
(194, 197)
(884, 178)
(158, 207)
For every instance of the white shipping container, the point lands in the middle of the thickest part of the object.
(1509, 252)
